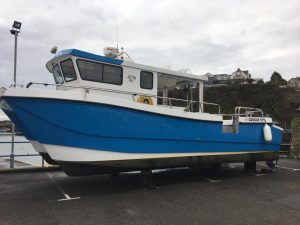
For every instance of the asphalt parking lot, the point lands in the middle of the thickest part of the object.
(182, 196)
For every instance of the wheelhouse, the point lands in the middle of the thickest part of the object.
(82, 71)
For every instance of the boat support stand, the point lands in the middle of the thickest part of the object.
(147, 179)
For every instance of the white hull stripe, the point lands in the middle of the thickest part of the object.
(71, 154)
(38, 147)
(277, 127)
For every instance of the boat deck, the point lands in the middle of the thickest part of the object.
(184, 196)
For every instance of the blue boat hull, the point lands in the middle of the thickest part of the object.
(117, 129)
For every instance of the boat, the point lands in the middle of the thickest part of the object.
(108, 114)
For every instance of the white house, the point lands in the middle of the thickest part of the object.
(294, 82)
(240, 75)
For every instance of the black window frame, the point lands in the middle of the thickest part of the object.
(62, 71)
(89, 61)
(102, 65)
(141, 79)
(58, 66)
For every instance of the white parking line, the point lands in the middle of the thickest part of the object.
(260, 174)
(213, 181)
(288, 168)
(67, 197)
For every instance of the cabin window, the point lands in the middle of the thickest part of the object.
(68, 70)
(146, 80)
(93, 71)
(90, 70)
(58, 78)
(112, 74)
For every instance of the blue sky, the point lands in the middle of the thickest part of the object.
(205, 36)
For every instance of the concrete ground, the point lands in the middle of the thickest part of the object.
(184, 196)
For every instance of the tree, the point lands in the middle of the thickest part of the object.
(277, 79)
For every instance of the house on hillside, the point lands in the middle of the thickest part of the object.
(221, 76)
(216, 79)
(294, 82)
(210, 77)
(237, 77)
(240, 75)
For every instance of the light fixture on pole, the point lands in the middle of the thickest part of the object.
(16, 27)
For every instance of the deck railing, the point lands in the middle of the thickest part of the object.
(133, 94)
(248, 111)
(239, 110)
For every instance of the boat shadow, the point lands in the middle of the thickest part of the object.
(161, 179)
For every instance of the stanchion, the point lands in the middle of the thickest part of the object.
(12, 152)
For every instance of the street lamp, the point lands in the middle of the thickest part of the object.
(16, 27)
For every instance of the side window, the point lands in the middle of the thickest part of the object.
(90, 70)
(146, 80)
(57, 75)
(112, 74)
(68, 70)
(99, 72)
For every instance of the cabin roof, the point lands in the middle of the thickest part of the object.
(91, 56)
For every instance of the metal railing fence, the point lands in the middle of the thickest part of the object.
(12, 154)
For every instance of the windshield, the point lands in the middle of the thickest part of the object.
(57, 75)
(68, 70)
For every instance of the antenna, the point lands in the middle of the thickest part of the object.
(117, 24)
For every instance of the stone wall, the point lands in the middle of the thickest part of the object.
(295, 148)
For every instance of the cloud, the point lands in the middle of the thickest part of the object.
(205, 36)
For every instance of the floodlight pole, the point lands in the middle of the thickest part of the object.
(14, 31)
(15, 59)
(12, 152)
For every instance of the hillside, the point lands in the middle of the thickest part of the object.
(279, 103)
